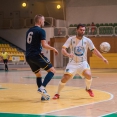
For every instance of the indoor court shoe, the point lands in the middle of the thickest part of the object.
(45, 99)
(90, 92)
(56, 96)
(44, 93)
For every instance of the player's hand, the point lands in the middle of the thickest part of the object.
(70, 55)
(105, 60)
(55, 51)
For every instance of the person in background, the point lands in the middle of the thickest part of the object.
(5, 57)
(92, 28)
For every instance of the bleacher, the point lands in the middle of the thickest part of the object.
(97, 24)
(107, 29)
(16, 55)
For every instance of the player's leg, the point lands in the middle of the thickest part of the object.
(45, 64)
(33, 63)
(47, 79)
(39, 84)
(88, 81)
(38, 78)
(69, 73)
(51, 71)
(36, 69)
(6, 66)
(61, 85)
(86, 73)
(88, 78)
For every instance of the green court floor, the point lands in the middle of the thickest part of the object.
(111, 115)
(28, 115)
(32, 115)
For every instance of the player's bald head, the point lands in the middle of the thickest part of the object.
(39, 19)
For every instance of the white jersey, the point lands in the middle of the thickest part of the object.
(79, 48)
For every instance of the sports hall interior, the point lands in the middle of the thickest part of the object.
(18, 90)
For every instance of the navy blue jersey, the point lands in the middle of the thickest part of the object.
(33, 41)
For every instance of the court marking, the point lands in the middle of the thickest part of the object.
(57, 77)
(109, 114)
(81, 105)
(3, 88)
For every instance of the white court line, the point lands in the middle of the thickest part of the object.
(108, 114)
(81, 105)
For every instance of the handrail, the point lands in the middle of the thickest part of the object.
(50, 22)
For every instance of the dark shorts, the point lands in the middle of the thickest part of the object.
(37, 62)
(5, 60)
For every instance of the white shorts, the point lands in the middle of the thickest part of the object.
(74, 68)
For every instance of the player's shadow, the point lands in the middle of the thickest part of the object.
(19, 100)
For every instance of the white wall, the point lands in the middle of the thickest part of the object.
(18, 37)
(96, 14)
(60, 23)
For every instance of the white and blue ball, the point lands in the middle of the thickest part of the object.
(105, 47)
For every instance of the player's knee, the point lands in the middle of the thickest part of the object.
(38, 74)
(65, 78)
(88, 76)
(52, 70)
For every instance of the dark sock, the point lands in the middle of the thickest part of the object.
(5, 67)
(39, 81)
(48, 77)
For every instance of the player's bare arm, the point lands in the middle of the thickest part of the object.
(98, 54)
(65, 53)
(46, 46)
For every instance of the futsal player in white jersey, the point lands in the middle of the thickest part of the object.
(78, 64)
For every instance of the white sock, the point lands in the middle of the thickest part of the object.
(42, 87)
(60, 87)
(88, 83)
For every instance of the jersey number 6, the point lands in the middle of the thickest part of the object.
(29, 38)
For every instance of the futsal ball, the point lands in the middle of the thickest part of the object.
(105, 47)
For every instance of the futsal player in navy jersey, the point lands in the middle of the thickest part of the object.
(35, 40)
